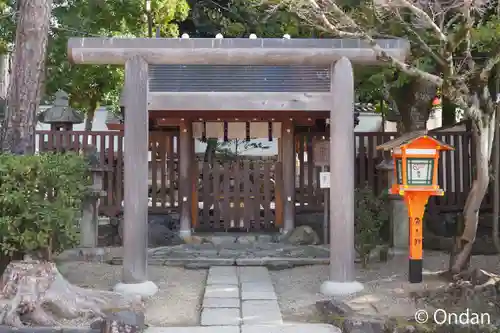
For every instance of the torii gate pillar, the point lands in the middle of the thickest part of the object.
(135, 209)
(342, 277)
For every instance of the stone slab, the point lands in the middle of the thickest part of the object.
(222, 291)
(253, 274)
(222, 275)
(40, 329)
(264, 261)
(257, 286)
(261, 312)
(201, 261)
(194, 329)
(259, 295)
(220, 317)
(221, 302)
(262, 290)
(290, 328)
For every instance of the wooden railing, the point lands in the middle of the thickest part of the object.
(455, 169)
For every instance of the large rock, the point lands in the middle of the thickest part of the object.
(315, 220)
(163, 230)
(123, 322)
(303, 235)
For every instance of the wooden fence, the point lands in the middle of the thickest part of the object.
(455, 169)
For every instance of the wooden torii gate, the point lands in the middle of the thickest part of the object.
(137, 53)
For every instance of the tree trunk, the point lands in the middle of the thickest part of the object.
(89, 119)
(27, 75)
(414, 103)
(35, 293)
(482, 133)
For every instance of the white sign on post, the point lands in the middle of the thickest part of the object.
(321, 153)
(324, 180)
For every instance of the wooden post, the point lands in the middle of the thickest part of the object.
(135, 231)
(288, 163)
(185, 174)
(342, 183)
(195, 174)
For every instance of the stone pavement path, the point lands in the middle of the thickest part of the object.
(242, 300)
(275, 255)
(239, 296)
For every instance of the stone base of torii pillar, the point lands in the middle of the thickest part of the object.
(342, 271)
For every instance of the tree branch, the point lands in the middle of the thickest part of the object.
(493, 60)
(437, 57)
(379, 51)
(426, 18)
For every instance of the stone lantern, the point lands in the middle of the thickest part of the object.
(90, 216)
(61, 116)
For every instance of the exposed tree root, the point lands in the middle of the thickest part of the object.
(35, 293)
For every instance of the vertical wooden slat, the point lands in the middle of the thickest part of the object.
(153, 139)
(278, 195)
(217, 194)
(370, 166)
(441, 166)
(76, 141)
(119, 170)
(257, 175)
(227, 195)
(195, 210)
(171, 172)
(361, 161)
(289, 175)
(458, 170)
(381, 175)
(310, 173)
(248, 175)
(176, 173)
(206, 193)
(267, 195)
(50, 142)
(109, 168)
(41, 142)
(183, 176)
(301, 191)
(448, 173)
(237, 196)
(162, 149)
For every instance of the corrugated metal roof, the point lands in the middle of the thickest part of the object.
(238, 78)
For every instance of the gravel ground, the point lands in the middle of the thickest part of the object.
(298, 288)
(176, 304)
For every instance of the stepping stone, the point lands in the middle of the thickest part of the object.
(220, 317)
(261, 312)
(258, 291)
(213, 302)
(222, 275)
(222, 291)
(290, 328)
(194, 329)
(253, 274)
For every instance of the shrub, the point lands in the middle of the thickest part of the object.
(370, 215)
(40, 199)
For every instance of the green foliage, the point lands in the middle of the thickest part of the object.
(40, 199)
(238, 18)
(370, 214)
(91, 86)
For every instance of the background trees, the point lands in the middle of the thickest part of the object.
(450, 36)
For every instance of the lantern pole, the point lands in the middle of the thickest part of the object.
(416, 202)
